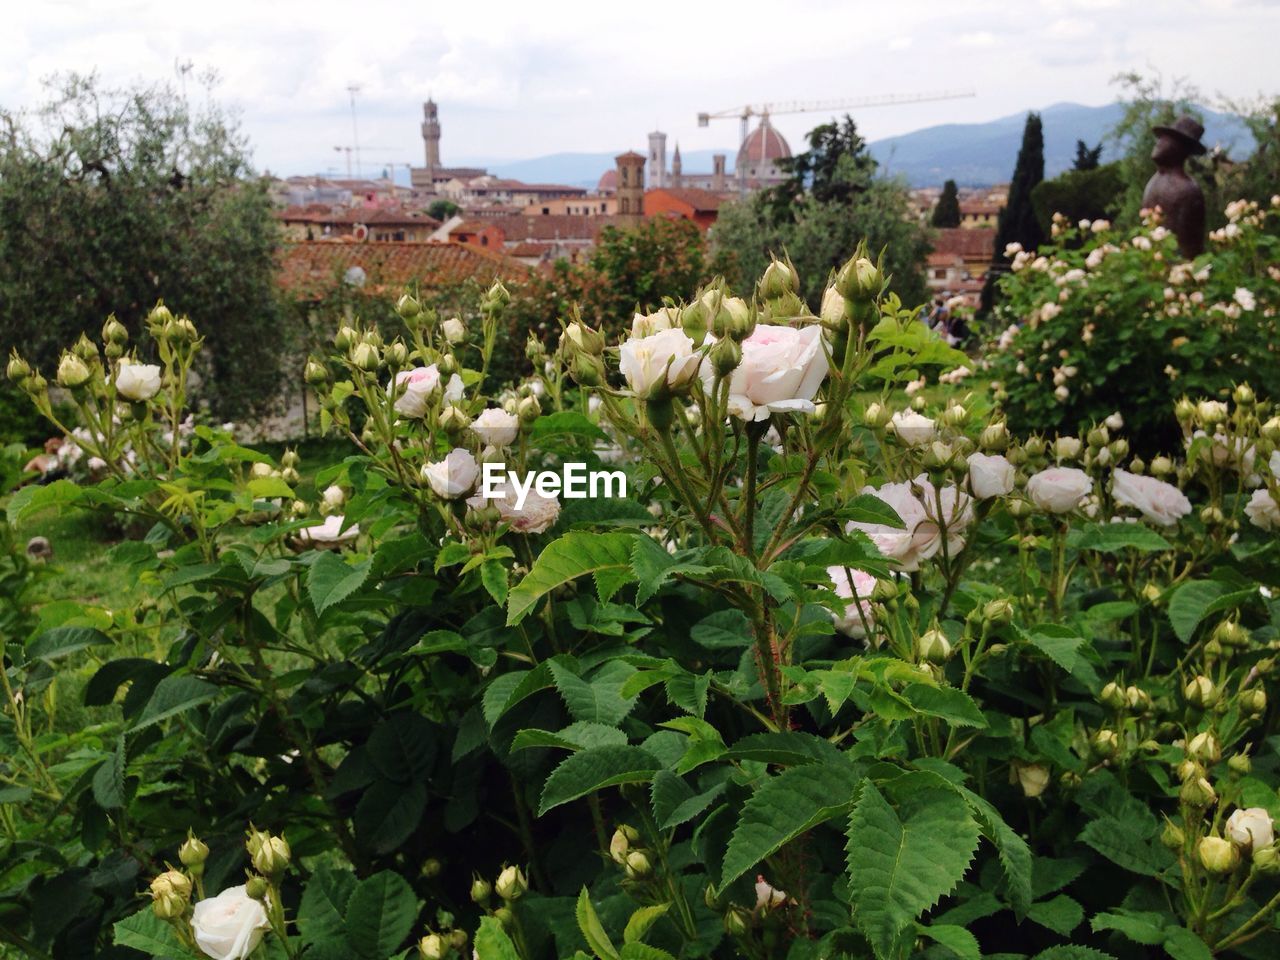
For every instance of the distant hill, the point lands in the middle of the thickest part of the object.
(972, 154)
(584, 169)
(977, 154)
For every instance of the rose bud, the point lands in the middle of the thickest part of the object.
(345, 338)
(19, 371)
(408, 307)
(1204, 747)
(480, 890)
(1240, 765)
(73, 372)
(1218, 855)
(1197, 793)
(1267, 861)
(637, 866)
(933, 646)
(255, 888)
(994, 437)
(1105, 743)
(1112, 696)
(1229, 633)
(1201, 692)
(193, 852)
(511, 883)
(1172, 836)
(365, 356)
(1253, 701)
(433, 947)
(778, 280)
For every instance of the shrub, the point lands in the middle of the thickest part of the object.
(1105, 322)
(841, 676)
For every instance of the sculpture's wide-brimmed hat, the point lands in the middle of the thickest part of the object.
(1187, 130)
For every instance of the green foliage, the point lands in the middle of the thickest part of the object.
(1137, 328)
(107, 197)
(808, 691)
(946, 213)
(1089, 193)
(833, 200)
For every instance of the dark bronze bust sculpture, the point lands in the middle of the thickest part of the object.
(1179, 197)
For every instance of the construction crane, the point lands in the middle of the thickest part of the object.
(765, 110)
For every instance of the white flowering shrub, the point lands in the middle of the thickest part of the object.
(1100, 321)
(840, 674)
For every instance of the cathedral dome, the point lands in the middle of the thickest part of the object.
(763, 145)
(608, 181)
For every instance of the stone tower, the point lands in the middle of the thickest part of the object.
(717, 172)
(630, 184)
(677, 169)
(431, 135)
(657, 159)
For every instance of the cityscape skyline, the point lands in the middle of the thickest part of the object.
(520, 81)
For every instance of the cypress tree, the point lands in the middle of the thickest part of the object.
(947, 212)
(1017, 222)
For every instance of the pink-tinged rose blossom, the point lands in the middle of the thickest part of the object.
(666, 355)
(912, 428)
(1161, 503)
(229, 926)
(537, 515)
(857, 617)
(414, 388)
(780, 372)
(1263, 510)
(495, 427)
(916, 503)
(1251, 828)
(453, 476)
(1059, 489)
(990, 475)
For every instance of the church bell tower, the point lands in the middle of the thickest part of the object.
(431, 135)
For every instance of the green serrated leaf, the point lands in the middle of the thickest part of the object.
(594, 769)
(176, 693)
(155, 937)
(784, 807)
(901, 862)
(1197, 599)
(598, 701)
(331, 580)
(1116, 840)
(380, 915)
(322, 913)
(492, 942)
(592, 930)
(953, 705)
(108, 779)
(642, 920)
(1115, 537)
(956, 939)
(607, 556)
(61, 641)
(1061, 914)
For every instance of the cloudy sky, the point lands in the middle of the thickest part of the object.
(522, 78)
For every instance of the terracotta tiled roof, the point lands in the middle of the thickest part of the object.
(553, 226)
(528, 249)
(383, 216)
(313, 269)
(629, 155)
(982, 207)
(976, 244)
(699, 200)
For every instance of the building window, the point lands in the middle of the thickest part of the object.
(626, 205)
(484, 241)
(939, 274)
(546, 211)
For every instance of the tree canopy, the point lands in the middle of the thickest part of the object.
(831, 200)
(113, 199)
(947, 211)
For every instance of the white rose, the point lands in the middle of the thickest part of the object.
(455, 331)
(453, 476)
(857, 616)
(781, 370)
(1274, 464)
(1059, 489)
(647, 361)
(496, 428)
(990, 475)
(1159, 502)
(912, 428)
(417, 385)
(1262, 510)
(1067, 448)
(137, 381)
(1251, 828)
(536, 516)
(330, 532)
(1032, 777)
(229, 926)
(768, 896)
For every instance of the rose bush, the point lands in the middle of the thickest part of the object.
(828, 681)
(1099, 321)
